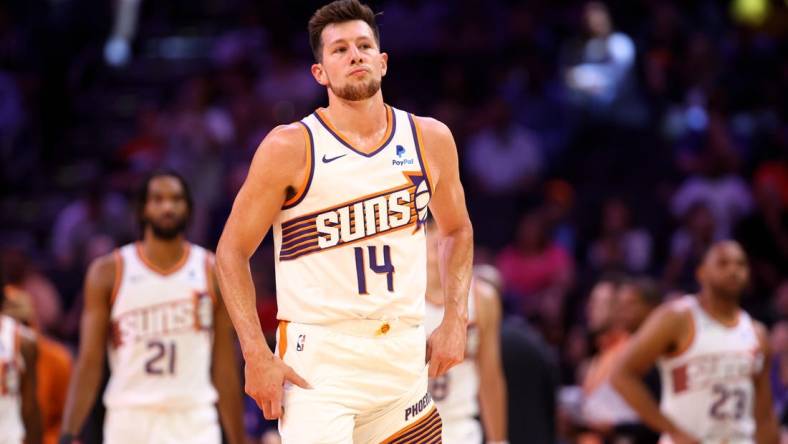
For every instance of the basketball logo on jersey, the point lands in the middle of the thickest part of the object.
(367, 217)
(188, 314)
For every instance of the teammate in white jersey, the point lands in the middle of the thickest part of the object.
(346, 191)
(154, 308)
(20, 417)
(457, 393)
(713, 360)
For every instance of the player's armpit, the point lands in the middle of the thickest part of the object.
(94, 325)
(767, 430)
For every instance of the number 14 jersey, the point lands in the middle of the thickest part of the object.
(161, 335)
(707, 389)
(350, 243)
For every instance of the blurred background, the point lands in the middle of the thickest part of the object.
(598, 141)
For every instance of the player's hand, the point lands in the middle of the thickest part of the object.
(446, 346)
(681, 437)
(264, 381)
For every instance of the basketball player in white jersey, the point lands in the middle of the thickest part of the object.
(154, 308)
(20, 417)
(713, 360)
(457, 392)
(346, 191)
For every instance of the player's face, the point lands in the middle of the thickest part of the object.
(725, 270)
(631, 308)
(352, 66)
(166, 210)
(600, 307)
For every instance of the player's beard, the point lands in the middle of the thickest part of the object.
(357, 92)
(169, 232)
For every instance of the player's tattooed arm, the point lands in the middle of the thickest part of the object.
(665, 331)
(278, 168)
(767, 430)
(31, 412)
(447, 343)
(94, 325)
(492, 397)
(224, 370)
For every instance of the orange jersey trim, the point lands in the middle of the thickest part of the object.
(283, 338)
(310, 169)
(209, 281)
(164, 272)
(346, 141)
(118, 276)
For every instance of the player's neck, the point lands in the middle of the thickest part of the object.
(364, 118)
(164, 253)
(723, 310)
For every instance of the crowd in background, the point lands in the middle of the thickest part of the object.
(595, 140)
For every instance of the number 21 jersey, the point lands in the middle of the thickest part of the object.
(350, 243)
(161, 337)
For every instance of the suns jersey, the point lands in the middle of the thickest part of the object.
(707, 389)
(11, 367)
(351, 243)
(456, 393)
(161, 332)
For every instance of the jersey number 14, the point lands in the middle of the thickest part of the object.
(386, 267)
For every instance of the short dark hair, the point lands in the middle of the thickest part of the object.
(142, 193)
(338, 11)
(647, 288)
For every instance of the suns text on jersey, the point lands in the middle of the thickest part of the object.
(172, 317)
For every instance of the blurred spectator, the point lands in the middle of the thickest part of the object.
(620, 246)
(23, 278)
(764, 234)
(53, 365)
(504, 159)
(635, 299)
(100, 211)
(599, 75)
(145, 150)
(716, 186)
(537, 272)
(559, 200)
(687, 246)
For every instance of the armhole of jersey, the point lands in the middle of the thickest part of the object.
(684, 346)
(209, 281)
(310, 162)
(425, 169)
(118, 276)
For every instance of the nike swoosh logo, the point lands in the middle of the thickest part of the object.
(327, 160)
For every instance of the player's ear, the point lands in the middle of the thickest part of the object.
(384, 63)
(319, 74)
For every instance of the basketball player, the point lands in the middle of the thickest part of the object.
(20, 418)
(346, 190)
(457, 393)
(713, 359)
(154, 308)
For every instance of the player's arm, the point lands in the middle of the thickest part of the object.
(447, 343)
(492, 396)
(31, 412)
(93, 329)
(766, 429)
(662, 332)
(224, 371)
(278, 166)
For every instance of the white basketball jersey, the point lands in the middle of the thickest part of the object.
(350, 244)
(708, 388)
(456, 393)
(11, 367)
(162, 332)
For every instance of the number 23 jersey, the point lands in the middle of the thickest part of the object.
(707, 389)
(350, 243)
(161, 335)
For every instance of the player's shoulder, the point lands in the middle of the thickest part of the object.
(284, 148)
(676, 313)
(102, 270)
(760, 331)
(430, 126)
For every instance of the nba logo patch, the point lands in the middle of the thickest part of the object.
(300, 342)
